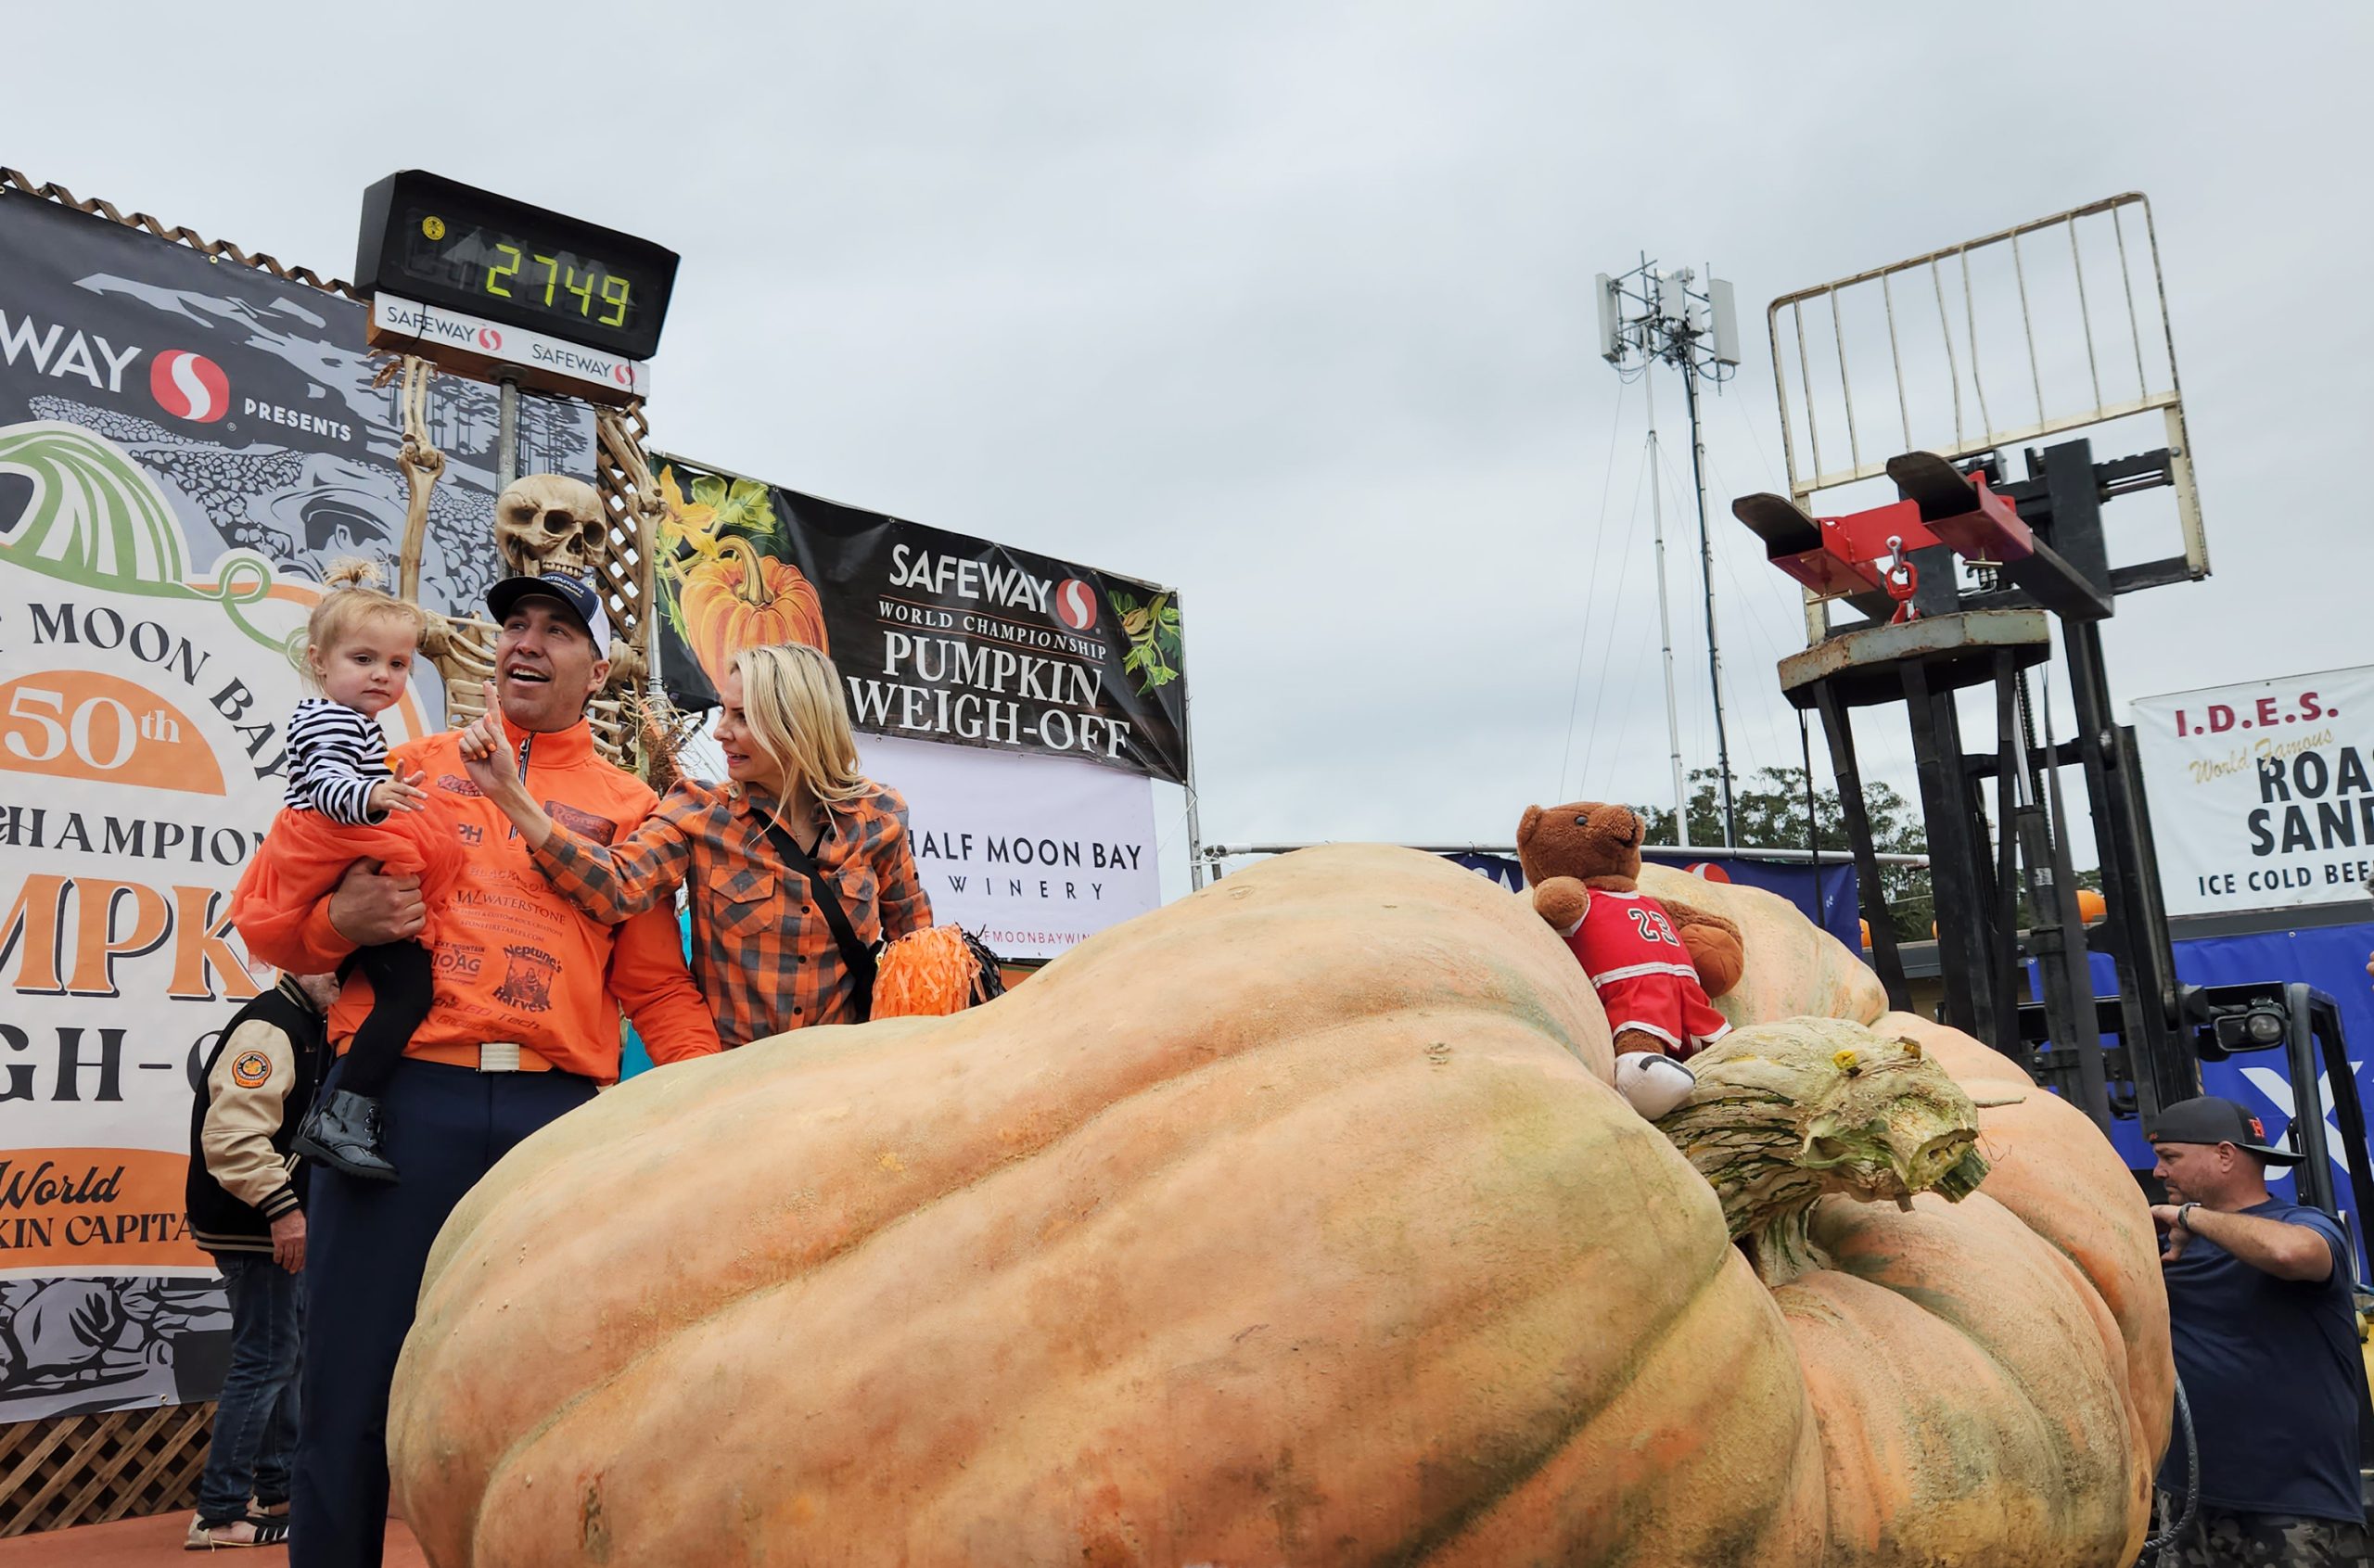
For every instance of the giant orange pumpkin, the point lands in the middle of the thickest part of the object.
(1297, 1222)
(741, 599)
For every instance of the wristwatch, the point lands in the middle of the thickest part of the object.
(2184, 1218)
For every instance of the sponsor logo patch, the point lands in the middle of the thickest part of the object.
(528, 979)
(251, 1069)
(1076, 605)
(190, 385)
(601, 830)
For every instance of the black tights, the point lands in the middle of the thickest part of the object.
(401, 983)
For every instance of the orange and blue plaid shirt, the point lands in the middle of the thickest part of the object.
(761, 951)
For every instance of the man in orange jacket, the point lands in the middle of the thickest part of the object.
(523, 1027)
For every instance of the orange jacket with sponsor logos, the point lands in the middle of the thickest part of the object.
(515, 962)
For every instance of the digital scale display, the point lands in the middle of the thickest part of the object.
(440, 242)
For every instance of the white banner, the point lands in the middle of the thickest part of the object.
(574, 366)
(2261, 795)
(1032, 854)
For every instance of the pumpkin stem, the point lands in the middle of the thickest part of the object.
(753, 588)
(1787, 1112)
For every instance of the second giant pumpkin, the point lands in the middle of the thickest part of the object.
(1295, 1222)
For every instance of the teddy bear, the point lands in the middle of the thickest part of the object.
(1655, 964)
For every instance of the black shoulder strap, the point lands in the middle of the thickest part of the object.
(828, 899)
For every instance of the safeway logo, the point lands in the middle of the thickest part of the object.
(490, 340)
(190, 385)
(1076, 605)
(623, 374)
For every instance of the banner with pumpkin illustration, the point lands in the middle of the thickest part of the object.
(183, 447)
(939, 636)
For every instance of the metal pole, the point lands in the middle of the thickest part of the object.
(1665, 612)
(1187, 744)
(1195, 832)
(1838, 728)
(1706, 570)
(506, 439)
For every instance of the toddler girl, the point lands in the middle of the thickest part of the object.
(344, 805)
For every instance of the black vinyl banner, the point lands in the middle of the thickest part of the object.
(937, 636)
(250, 400)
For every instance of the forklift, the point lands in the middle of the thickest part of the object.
(1964, 582)
(1925, 639)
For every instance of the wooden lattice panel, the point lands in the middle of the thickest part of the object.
(88, 1470)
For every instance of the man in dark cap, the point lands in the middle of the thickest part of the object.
(2266, 1339)
(523, 1025)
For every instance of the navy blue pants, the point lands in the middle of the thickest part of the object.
(255, 1424)
(367, 1246)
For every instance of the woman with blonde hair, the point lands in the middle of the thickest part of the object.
(799, 867)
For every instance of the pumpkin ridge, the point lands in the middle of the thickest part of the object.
(1352, 1075)
(1995, 1150)
(1421, 1548)
(2111, 1246)
(1354, 1079)
(1356, 1076)
(1831, 1300)
(1941, 1306)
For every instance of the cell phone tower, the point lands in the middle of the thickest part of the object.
(1649, 316)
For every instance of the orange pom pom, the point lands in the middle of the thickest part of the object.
(925, 974)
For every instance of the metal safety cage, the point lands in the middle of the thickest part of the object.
(2068, 314)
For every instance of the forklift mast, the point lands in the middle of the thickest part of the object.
(2039, 540)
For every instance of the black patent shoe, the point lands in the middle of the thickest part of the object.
(343, 1133)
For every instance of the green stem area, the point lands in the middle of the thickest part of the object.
(1786, 1114)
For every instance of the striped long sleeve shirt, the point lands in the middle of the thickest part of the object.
(335, 755)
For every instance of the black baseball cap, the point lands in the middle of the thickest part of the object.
(2209, 1119)
(577, 594)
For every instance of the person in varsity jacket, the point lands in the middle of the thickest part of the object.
(247, 1207)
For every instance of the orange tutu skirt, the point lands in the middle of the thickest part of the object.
(305, 853)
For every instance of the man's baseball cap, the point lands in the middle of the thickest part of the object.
(575, 593)
(2209, 1119)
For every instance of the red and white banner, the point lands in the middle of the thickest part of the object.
(2261, 795)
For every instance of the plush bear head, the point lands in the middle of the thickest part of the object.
(1585, 840)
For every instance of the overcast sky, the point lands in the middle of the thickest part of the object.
(1289, 306)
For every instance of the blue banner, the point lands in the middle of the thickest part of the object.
(2330, 958)
(1826, 895)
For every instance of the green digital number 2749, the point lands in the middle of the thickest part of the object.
(615, 290)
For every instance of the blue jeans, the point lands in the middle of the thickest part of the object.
(255, 1424)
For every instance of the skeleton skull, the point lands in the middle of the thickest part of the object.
(548, 521)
